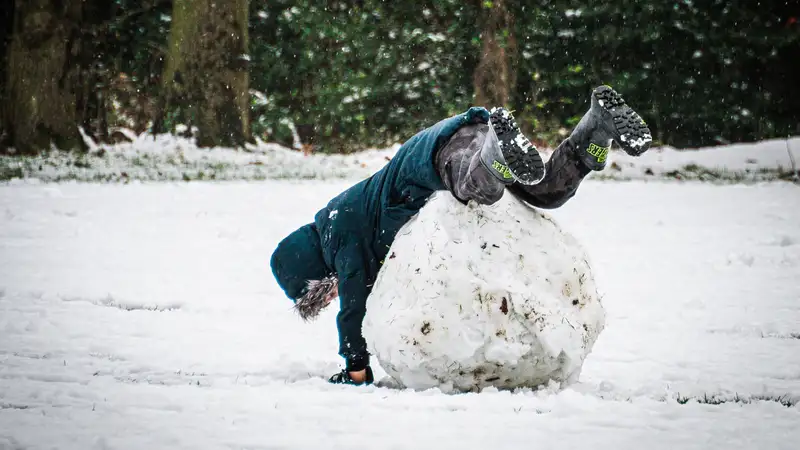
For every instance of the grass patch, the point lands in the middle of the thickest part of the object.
(695, 172)
(720, 399)
(13, 406)
(8, 172)
(781, 335)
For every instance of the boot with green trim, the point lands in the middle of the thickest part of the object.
(508, 154)
(609, 119)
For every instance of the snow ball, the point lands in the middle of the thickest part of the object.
(476, 296)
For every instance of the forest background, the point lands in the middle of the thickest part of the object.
(341, 76)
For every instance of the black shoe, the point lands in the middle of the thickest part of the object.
(508, 154)
(609, 119)
(343, 377)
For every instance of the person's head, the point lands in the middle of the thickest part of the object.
(297, 260)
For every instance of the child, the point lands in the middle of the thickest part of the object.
(475, 155)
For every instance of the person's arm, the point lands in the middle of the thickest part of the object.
(354, 288)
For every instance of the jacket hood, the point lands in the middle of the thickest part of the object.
(297, 260)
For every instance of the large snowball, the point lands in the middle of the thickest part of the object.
(476, 296)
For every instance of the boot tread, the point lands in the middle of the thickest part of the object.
(633, 134)
(523, 161)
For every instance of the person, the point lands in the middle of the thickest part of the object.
(476, 156)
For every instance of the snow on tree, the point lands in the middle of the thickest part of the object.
(476, 296)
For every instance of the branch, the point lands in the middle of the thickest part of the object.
(795, 174)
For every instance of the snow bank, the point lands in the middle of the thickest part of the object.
(759, 161)
(171, 158)
(471, 297)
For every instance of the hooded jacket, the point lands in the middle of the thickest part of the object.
(351, 236)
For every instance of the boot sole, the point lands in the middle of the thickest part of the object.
(520, 155)
(633, 134)
(526, 167)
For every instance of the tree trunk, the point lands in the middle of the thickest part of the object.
(6, 27)
(206, 76)
(495, 76)
(39, 105)
(93, 75)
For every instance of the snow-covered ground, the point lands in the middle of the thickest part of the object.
(145, 316)
(170, 158)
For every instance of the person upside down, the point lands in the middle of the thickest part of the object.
(476, 156)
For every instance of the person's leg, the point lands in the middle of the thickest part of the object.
(459, 165)
(565, 171)
(481, 160)
(586, 149)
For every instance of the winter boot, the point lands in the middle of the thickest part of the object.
(343, 377)
(508, 154)
(609, 119)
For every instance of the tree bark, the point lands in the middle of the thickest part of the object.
(206, 75)
(495, 75)
(39, 106)
(6, 28)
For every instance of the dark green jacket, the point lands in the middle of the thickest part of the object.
(352, 235)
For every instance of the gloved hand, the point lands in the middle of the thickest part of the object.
(476, 114)
(357, 378)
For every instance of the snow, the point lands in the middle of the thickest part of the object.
(638, 142)
(477, 296)
(145, 316)
(170, 158)
(743, 159)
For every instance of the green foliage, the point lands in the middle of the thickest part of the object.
(701, 72)
(121, 59)
(368, 73)
(351, 74)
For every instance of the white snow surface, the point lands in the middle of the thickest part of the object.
(477, 296)
(145, 316)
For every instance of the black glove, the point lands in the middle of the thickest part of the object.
(343, 377)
